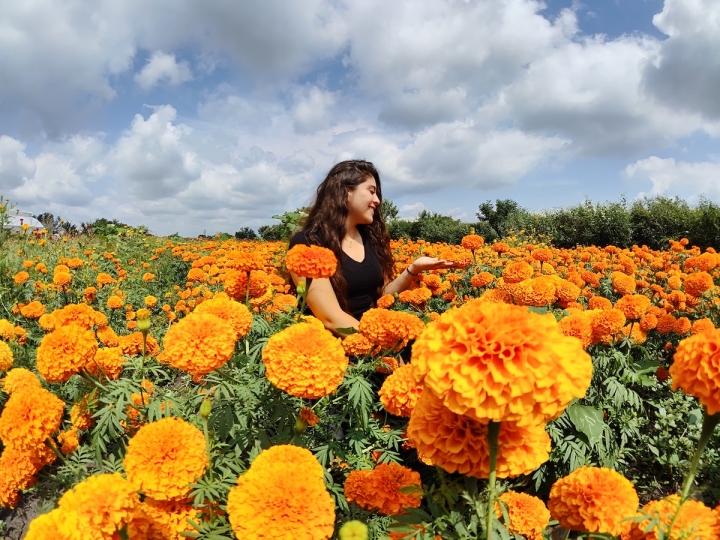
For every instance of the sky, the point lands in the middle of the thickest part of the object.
(201, 117)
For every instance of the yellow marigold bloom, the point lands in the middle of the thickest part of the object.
(33, 310)
(64, 352)
(69, 441)
(104, 279)
(518, 271)
(100, 506)
(19, 378)
(537, 292)
(357, 345)
(151, 301)
(607, 323)
(598, 302)
(514, 365)
(79, 314)
(383, 489)
(21, 277)
(399, 393)
(6, 356)
(115, 302)
(472, 241)
(81, 414)
(353, 530)
(527, 514)
(199, 344)
(696, 368)
(142, 314)
(147, 276)
(458, 443)
(29, 417)
(284, 481)
(483, 279)
(305, 360)
(695, 520)
(235, 284)
(229, 310)
(593, 499)
(169, 518)
(311, 261)
(165, 457)
(390, 330)
(7, 330)
(62, 279)
(698, 283)
(47, 322)
(106, 362)
(666, 324)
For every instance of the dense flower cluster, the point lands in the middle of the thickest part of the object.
(305, 360)
(267, 502)
(527, 514)
(311, 261)
(65, 351)
(384, 489)
(30, 416)
(400, 392)
(390, 330)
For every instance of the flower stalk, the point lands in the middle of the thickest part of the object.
(493, 435)
(710, 421)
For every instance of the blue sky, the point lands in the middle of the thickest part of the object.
(191, 117)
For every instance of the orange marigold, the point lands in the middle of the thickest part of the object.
(284, 481)
(17, 472)
(501, 362)
(383, 489)
(483, 279)
(696, 368)
(527, 514)
(648, 322)
(593, 499)
(64, 352)
(235, 284)
(311, 261)
(62, 279)
(29, 417)
(607, 323)
(633, 306)
(399, 393)
(357, 345)
(598, 302)
(698, 283)
(21, 277)
(518, 271)
(80, 314)
(472, 241)
(308, 416)
(6, 356)
(535, 292)
(132, 344)
(385, 301)
(622, 283)
(165, 457)
(695, 520)
(19, 378)
(682, 326)
(229, 310)
(107, 362)
(115, 302)
(702, 325)
(390, 330)
(199, 344)
(169, 518)
(305, 360)
(665, 324)
(458, 443)
(578, 325)
(7, 330)
(33, 310)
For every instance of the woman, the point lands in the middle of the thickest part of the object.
(346, 219)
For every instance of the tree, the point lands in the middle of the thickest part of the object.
(246, 233)
(388, 210)
(273, 232)
(497, 216)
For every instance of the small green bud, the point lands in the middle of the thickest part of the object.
(300, 425)
(205, 408)
(354, 530)
(143, 325)
(301, 288)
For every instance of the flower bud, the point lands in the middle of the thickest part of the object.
(301, 288)
(353, 530)
(300, 425)
(206, 408)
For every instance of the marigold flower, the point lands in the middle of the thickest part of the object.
(578, 325)
(566, 291)
(682, 326)
(169, 518)
(6, 356)
(150, 301)
(354, 530)
(593, 499)
(537, 292)
(385, 301)
(311, 261)
(598, 302)
(399, 393)
(103, 279)
(165, 457)
(199, 344)
(607, 323)
(7, 330)
(458, 443)
(64, 352)
(702, 325)
(357, 345)
(698, 283)
(115, 302)
(382, 489)
(33, 310)
(696, 368)
(648, 322)
(500, 247)
(229, 310)
(417, 297)
(79, 314)
(283, 481)
(29, 417)
(258, 284)
(390, 330)
(472, 241)
(19, 378)
(81, 414)
(235, 284)
(514, 365)
(483, 279)
(527, 514)
(694, 520)
(633, 306)
(308, 416)
(517, 271)
(666, 324)
(107, 336)
(69, 441)
(107, 362)
(17, 472)
(305, 360)
(622, 283)
(62, 279)
(21, 277)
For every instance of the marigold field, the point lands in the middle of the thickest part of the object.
(169, 388)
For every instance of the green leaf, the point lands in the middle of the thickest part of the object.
(346, 331)
(588, 421)
(695, 417)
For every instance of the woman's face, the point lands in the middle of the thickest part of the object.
(362, 202)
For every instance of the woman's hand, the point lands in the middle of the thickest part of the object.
(423, 264)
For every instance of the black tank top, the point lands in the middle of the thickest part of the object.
(364, 279)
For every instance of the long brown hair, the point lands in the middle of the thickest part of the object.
(326, 223)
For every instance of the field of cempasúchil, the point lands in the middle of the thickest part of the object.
(158, 388)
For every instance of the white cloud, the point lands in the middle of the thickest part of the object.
(313, 109)
(685, 179)
(411, 211)
(162, 67)
(15, 166)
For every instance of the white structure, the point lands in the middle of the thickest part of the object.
(18, 219)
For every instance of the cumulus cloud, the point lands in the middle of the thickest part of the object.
(15, 166)
(313, 109)
(162, 67)
(411, 211)
(686, 71)
(669, 177)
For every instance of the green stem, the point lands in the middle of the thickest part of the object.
(89, 378)
(709, 424)
(207, 446)
(493, 435)
(55, 450)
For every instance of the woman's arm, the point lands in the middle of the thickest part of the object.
(422, 264)
(322, 301)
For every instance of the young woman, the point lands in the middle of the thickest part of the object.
(346, 219)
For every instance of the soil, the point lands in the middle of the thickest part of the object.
(17, 521)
